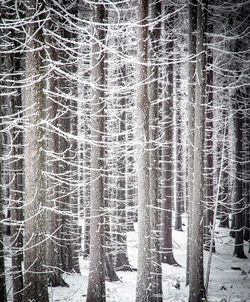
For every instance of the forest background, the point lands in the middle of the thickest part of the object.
(120, 117)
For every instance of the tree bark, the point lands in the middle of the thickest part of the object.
(191, 100)
(153, 96)
(3, 293)
(16, 190)
(196, 278)
(167, 195)
(179, 205)
(96, 281)
(143, 285)
(238, 230)
(35, 277)
(209, 159)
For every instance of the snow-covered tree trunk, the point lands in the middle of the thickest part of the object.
(96, 281)
(16, 189)
(209, 158)
(238, 205)
(167, 195)
(179, 204)
(143, 286)
(153, 96)
(196, 278)
(191, 99)
(35, 277)
(3, 294)
(121, 258)
(54, 215)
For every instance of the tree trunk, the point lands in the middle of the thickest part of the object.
(153, 96)
(121, 257)
(191, 100)
(167, 156)
(143, 285)
(196, 278)
(54, 215)
(209, 160)
(238, 230)
(179, 205)
(3, 294)
(35, 277)
(96, 281)
(16, 189)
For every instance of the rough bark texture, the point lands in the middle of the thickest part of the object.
(121, 258)
(96, 280)
(3, 294)
(16, 189)
(179, 205)
(143, 286)
(153, 95)
(167, 195)
(209, 160)
(35, 277)
(14, 167)
(54, 215)
(196, 278)
(191, 100)
(239, 223)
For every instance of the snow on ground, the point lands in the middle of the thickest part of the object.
(225, 283)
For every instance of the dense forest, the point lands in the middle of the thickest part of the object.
(124, 150)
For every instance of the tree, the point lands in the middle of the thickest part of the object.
(192, 15)
(16, 188)
(238, 230)
(196, 278)
(3, 294)
(209, 159)
(53, 166)
(153, 96)
(167, 149)
(35, 277)
(179, 205)
(143, 285)
(96, 281)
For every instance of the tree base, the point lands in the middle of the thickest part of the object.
(56, 280)
(240, 255)
(126, 268)
(169, 259)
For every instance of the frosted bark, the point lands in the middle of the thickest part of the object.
(35, 278)
(196, 281)
(143, 286)
(96, 282)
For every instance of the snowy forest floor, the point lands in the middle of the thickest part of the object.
(226, 284)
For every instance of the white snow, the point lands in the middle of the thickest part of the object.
(224, 282)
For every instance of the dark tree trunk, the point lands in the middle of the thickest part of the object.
(35, 277)
(54, 215)
(247, 221)
(191, 101)
(153, 95)
(167, 156)
(86, 238)
(3, 294)
(143, 285)
(196, 278)
(179, 205)
(121, 257)
(96, 280)
(16, 189)
(238, 216)
(224, 182)
(209, 160)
